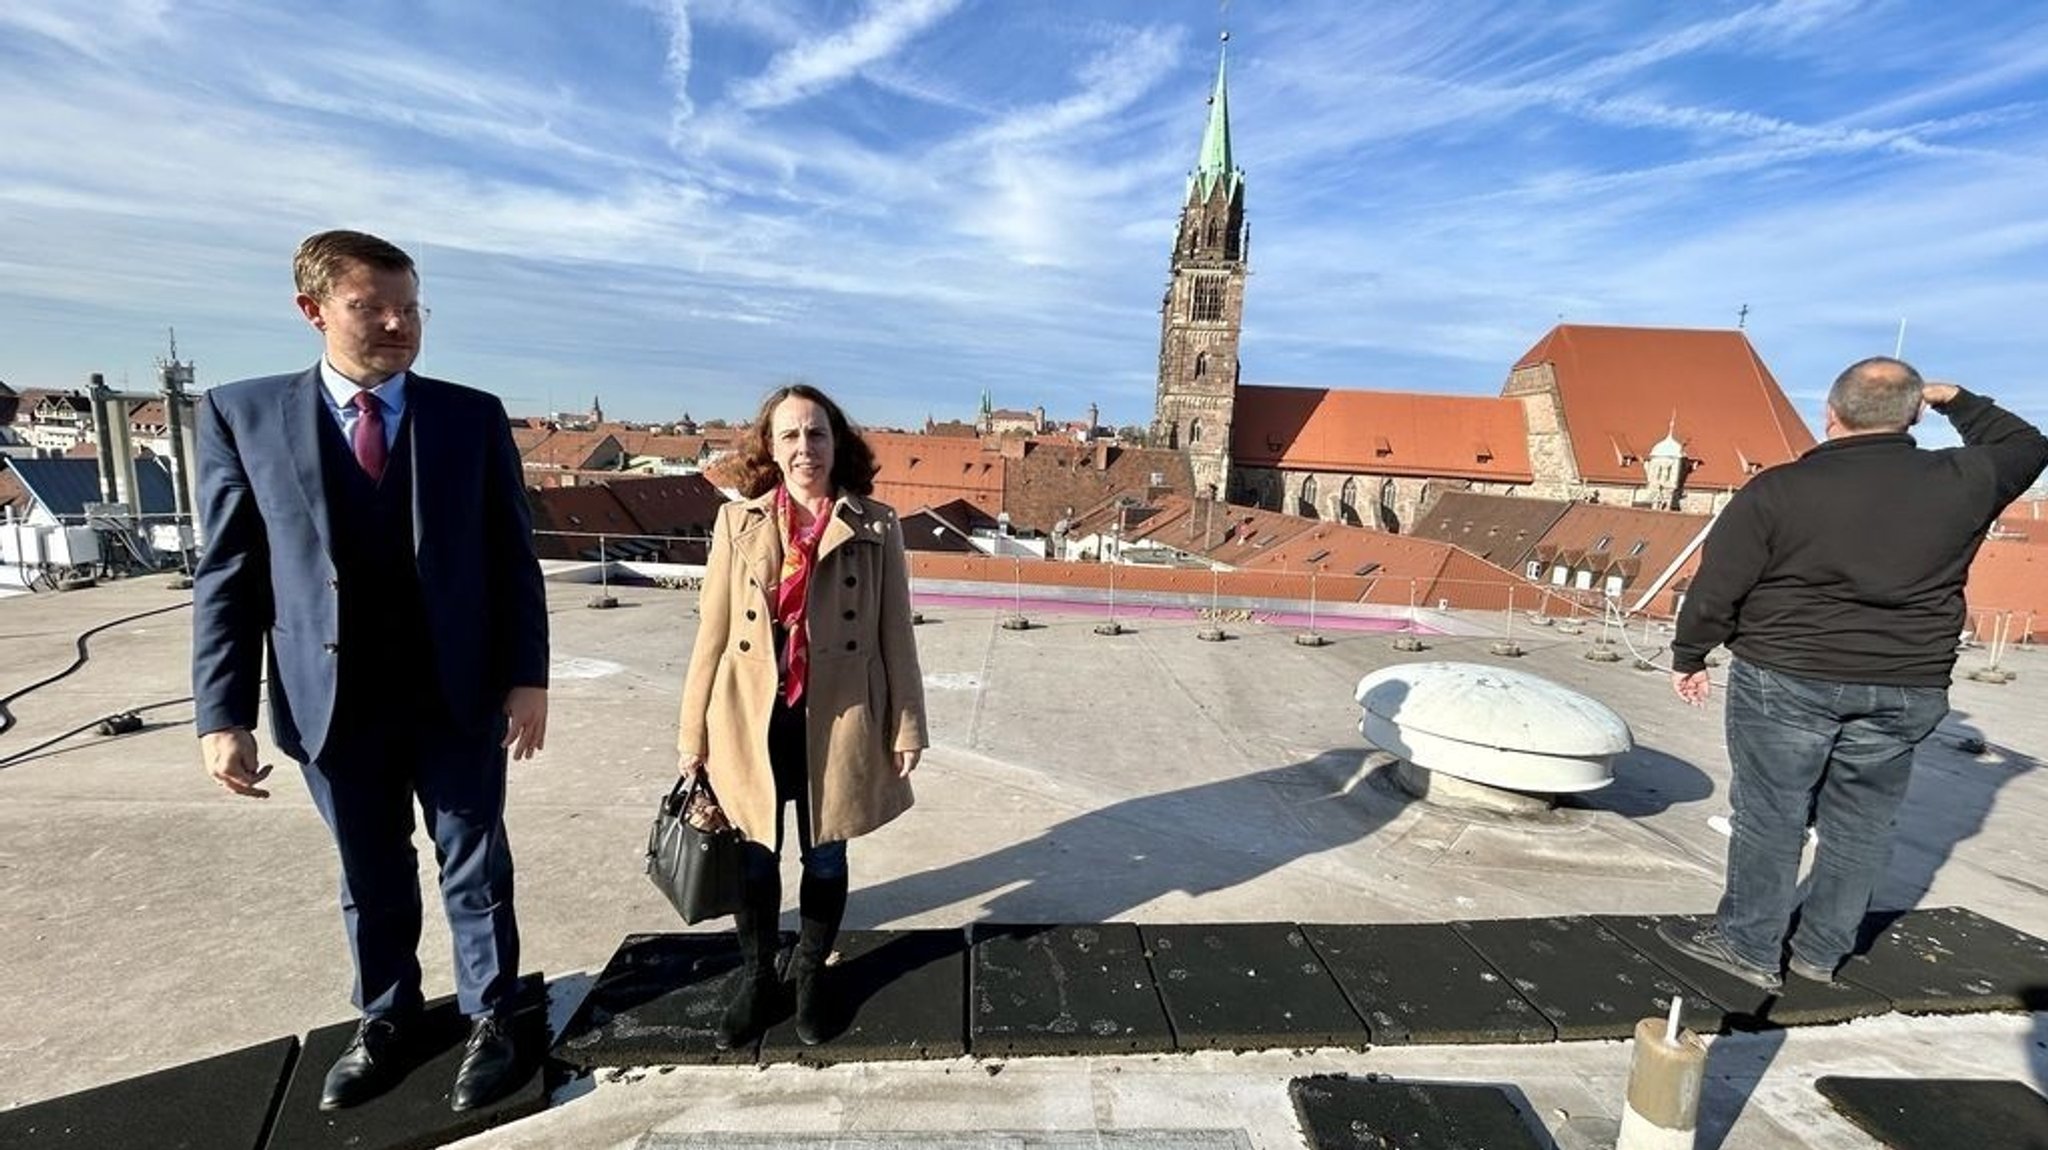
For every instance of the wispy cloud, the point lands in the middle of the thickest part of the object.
(676, 202)
(819, 64)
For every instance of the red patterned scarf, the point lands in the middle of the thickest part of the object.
(793, 592)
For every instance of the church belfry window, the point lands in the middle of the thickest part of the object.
(1205, 303)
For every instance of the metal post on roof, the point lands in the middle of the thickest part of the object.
(1310, 637)
(603, 601)
(1407, 640)
(1214, 632)
(1111, 627)
(1507, 647)
(1015, 620)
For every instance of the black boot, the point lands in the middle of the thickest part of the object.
(755, 987)
(822, 903)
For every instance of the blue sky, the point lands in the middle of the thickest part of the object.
(679, 203)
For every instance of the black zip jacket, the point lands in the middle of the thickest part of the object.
(1848, 563)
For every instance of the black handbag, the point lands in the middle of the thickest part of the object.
(697, 868)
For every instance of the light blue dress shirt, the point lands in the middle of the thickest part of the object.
(341, 401)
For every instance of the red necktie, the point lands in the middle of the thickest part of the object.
(371, 451)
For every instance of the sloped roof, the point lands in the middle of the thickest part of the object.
(526, 437)
(2009, 575)
(568, 520)
(1501, 529)
(1623, 387)
(1050, 476)
(1226, 533)
(1397, 570)
(928, 470)
(65, 486)
(1633, 542)
(642, 441)
(574, 450)
(1381, 432)
(669, 504)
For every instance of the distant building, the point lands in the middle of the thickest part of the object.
(1646, 417)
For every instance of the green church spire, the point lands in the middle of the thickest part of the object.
(1214, 165)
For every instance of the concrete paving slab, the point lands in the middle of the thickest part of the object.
(658, 1001)
(1947, 959)
(896, 994)
(1339, 1112)
(219, 1103)
(1248, 986)
(1743, 1005)
(1083, 989)
(1422, 983)
(413, 1114)
(1919, 1114)
(1585, 980)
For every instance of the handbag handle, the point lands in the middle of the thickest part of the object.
(679, 796)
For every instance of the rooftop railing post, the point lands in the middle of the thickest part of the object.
(604, 600)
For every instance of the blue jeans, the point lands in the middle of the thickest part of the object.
(1841, 753)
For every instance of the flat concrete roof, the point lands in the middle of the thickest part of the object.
(150, 919)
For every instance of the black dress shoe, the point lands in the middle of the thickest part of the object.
(490, 1064)
(372, 1062)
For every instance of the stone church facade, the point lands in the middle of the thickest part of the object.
(1666, 419)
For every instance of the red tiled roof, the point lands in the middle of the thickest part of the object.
(1352, 563)
(1382, 432)
(669, 504)
(676, 448)
(927, 470)
(1622, 387)
(2009, 576)
(573, 450)
(1635, 543)
(1501, 529)
(567, 520)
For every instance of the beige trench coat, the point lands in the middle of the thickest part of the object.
(865, 697)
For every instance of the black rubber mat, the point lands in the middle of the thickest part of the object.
(1942, 1113)
(657, 1002)
(1744, 1006)
(898, 994)
(1422, 983)
(1342, 1113)
(1949, 960)
(414, 1114)
(1585, 979)
(1062, 990)
(219, 1103)
(1248, 986)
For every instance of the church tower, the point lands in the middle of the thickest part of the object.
(1203, 313)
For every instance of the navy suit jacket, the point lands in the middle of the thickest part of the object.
(267, 579)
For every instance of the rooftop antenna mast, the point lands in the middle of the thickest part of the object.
(1742, 317)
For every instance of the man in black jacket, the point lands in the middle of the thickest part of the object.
(1837, 582)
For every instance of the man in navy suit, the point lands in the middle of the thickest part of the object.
(367, 530)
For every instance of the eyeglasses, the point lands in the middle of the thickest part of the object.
(407, 314)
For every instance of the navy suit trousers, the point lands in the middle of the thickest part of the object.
(365, 785)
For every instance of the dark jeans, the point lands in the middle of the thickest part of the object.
(789, 756)
(1844, 753)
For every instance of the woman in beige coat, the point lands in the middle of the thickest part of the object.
(803, 686)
